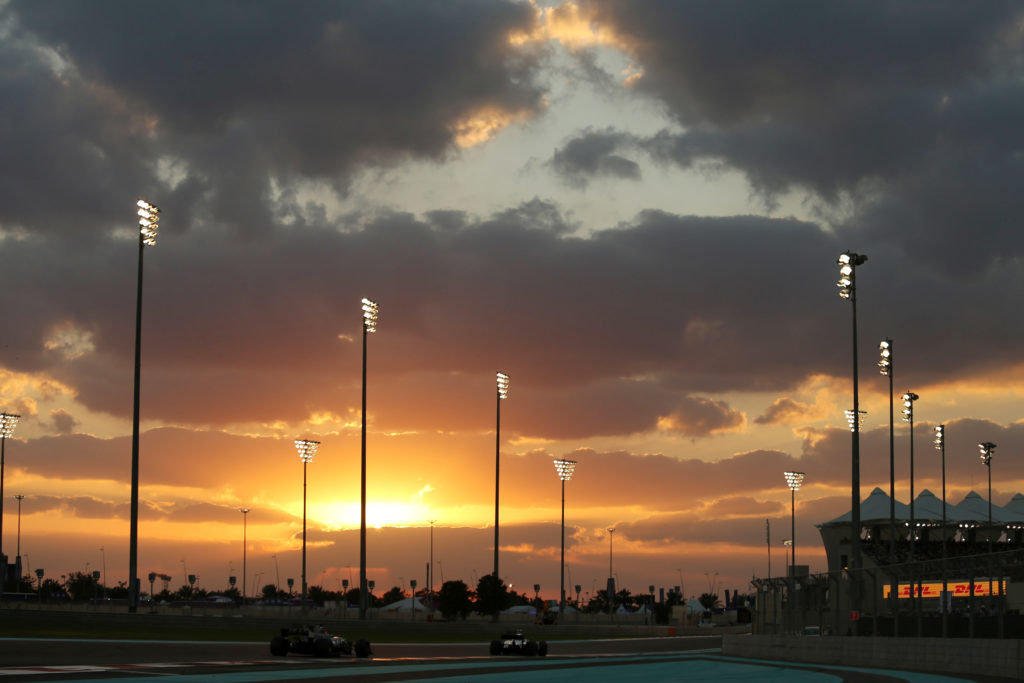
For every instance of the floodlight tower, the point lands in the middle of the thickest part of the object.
(987, 451)
(940, 445)
(370, 313)
(8, 422)
(564, 468)
(307, 451)
(848, 262)
(885, 367)
(794, 480)
(908, 416)
(503, 381)
(149, 224)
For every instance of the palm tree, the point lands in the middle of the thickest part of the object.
(708, 601)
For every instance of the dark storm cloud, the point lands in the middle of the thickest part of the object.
(239, 94)
(909, 109)
(592, 155)
(632, 324)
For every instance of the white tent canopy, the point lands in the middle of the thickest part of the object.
(928, 508)
(405, 605)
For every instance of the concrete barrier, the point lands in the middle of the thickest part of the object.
(988, 657)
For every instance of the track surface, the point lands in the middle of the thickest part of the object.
(593, 661)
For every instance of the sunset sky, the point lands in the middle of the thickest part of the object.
(633, 208)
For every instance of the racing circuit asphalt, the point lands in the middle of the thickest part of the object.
(691, 658)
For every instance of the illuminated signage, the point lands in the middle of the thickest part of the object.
(959, 589)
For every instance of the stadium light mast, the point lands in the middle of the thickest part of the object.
(987, 451)
(370, 314)
(940, 445)
(564, 468)
(885, 367)
(908, 416)
(848, 262)
(149, 224)
(8, 421)
(503, 381)
(794, 480)
(307, 451)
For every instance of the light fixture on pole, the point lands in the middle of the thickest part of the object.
(149, 224)
(848, 262)
(940, 445)
(245, 514)
(564, 468)
(370, 313)
(908, 416)
(503, 381)
(8, 422)
(793, 480)
(987, 451)
(885, 367)
(307, 451)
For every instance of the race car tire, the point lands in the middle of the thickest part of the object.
(363, 648)
(279, 646)
(322, 648)
(495, 647)
(542, 648)
(530, 649)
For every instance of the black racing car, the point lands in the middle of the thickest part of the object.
(313, 640)
(515, 643)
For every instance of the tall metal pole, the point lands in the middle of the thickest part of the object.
(430, 573)
(497, 476)
(20, 498)
(7, 423)
(561, 572)
(133, 538)
(245, 512)
(940, 443)
(370, 310)
(855, 465)
(304, 463)
(149, 220)
(848, 289)
(885, 365)
(611, 543)
(3, 442)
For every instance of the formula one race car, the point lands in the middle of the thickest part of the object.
(313, 640)
(515, 643)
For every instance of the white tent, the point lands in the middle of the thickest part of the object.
(976, 508)
(693, 606)
(875, 508)
(928, 507)
(405, 605)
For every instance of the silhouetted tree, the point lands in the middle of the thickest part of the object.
(491, 595)
(81, 586)
(454, 599)
(708, 601)
(394, 594)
